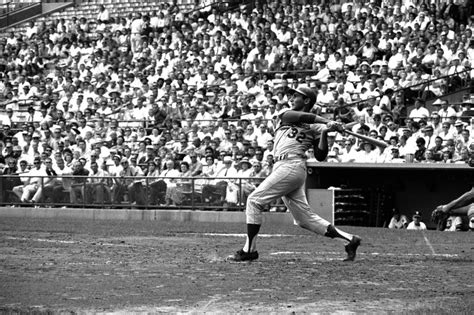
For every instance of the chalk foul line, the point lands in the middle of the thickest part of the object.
(428, 243)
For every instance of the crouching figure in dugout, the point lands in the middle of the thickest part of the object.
(297, 131)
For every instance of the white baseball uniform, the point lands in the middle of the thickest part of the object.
(288, 177)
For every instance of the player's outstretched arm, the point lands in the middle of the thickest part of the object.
(464, 200)
(293, 116)
(321, 148)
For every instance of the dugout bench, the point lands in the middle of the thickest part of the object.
(407, 187)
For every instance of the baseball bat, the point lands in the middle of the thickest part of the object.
(376, 142)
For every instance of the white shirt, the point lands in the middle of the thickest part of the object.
(412, 226)
(367, 157)
(418, 113)
(398, 224)
(137, 26)
(103, 16)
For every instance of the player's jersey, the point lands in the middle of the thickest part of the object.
(295, 138)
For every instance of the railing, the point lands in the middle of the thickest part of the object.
(11, 6)
(205, 193)
(463, 82)
(222, 5)
(14, 12)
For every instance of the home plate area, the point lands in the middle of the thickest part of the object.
(86, 266)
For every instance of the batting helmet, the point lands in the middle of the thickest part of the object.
(307, 92)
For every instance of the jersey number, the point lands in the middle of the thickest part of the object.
(295, 134)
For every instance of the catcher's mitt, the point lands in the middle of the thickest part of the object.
(439, 217)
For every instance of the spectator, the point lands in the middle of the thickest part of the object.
(98, 186)
(157, 187)
(49, 182)
(245, 185)
(394, 156)
(367, 154)
(195, 165)
(216, 191)
(209, 170)
(446, 133)
(10, 179)
(179, 186)
(103, 16)
(79, 179)
(446, 111)
(419, 111)
(57, 193)
(170, 176)
(420, 152)
(33, 179)
(126, 183)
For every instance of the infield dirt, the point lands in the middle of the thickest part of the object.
(81, 266)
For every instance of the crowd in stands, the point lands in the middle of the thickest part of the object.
(175, 95)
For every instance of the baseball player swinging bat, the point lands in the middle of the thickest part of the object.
(376, 142)
(297, 130)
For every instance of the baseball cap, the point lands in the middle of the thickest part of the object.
(459, 123)
(306, 91)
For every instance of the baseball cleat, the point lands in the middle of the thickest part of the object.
(240, 255)
(351, 248)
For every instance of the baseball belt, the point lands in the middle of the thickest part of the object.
(288, 156)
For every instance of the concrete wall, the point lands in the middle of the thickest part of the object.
(133, 214)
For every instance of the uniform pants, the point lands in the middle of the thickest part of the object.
(288, 182)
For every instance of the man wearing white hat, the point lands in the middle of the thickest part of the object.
(416, 224)
(446, 111)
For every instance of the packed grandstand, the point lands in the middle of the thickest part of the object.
(153, 102)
